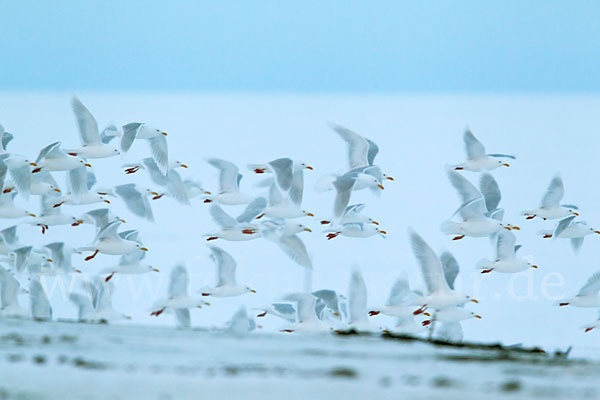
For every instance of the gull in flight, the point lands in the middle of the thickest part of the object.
(155, 137)
(129, 264)
(353, 214)
(178, 301)
(92, 145)
(53, 158)
(240, 228)
(506, 259)
(567, 228)
(284, 234)
(587, 296)
(80, 194)
(108, 241)
(354, 230)
(439, 294)
(136, 199)
(227, 285)
(38, 301)
(550, 207)
(477, 159)
(285, 170)
(8, 209)
(229, 184)
(283, 207)
(9, 290)
(96, 305)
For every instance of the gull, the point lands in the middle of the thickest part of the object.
(281, 207)
(240, 228)
(38, 301)
(361, 151)
(129, 264)
(593, 325)
(92, 145)
(61, 255)
(354, 230)
(136, 199)
(344, 185)
(80, 195)
(439, 294)
(109, 242)
(53, 158)
(400, 300)
(477, 159)
(285, 170)
(43, 184)
(587, 296)
(97, 305)
(132, 168)
(229, 184)
(9, 290)
(20, 171)
(353, 180)
(306, 318)
(240, 323)
(9, 210)
(506, 260)
(329, 299)
(178, 301)
(226, 282)
(357, 302)
(284, 234)
(171, 181)
(473, 212)
(352, 214)
(285, 311)
(155, 137)
(567, 228)
(550, 207)
(52, 216)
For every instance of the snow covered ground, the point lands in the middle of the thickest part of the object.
(62, 360)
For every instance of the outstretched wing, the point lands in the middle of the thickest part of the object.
(554, 193)
(88, 127)
(475, 150)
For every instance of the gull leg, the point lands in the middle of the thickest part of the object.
(88, 258)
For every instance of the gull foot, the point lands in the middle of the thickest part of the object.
(487, 271)
(108, 278)
(373, 313)
(157, 312)
(211, 238)
(262, 314)
(88, 258)
(458, 237)
(332, 235)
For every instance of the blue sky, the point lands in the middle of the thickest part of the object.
(308, 46)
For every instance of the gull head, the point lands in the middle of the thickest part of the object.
(307, 214)
(249, 290)
(179, 164)
(305, 166)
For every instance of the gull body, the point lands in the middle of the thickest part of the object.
(477, 159)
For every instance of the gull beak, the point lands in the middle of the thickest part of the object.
(87, 164)
(56, 190)
(389, 178)
(506, 165)
(307, 230)
(49, 259)
(164, 133)
(516, 228)
(427, 314)
(310, 214)
(598, 232)
(31, 214)
(309, 167)
(252, 290)
(336, 314)
(208, 193)
(576, 213)
(477, 316)
(374, 222)
(534, 266)
(383, 232)
(79, 221)
(154, 193)
(122, 220)
(155, 270)
(107, 201)
(183, 165)
(380, 187)
(507, 228)
(475, 301)
(143, 249)
(33, 164)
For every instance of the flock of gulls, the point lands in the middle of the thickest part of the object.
(275, 216)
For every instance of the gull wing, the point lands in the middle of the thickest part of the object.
(505, 245)
(373, 151)
(228, 175)
(222, 219)
(297, 188)
(283, 169)
(357, 299)
(554, 192)
(491, 191)
(562, 225)
(431, 267)
(295, 249)
(160, 152)
(450, 267)
(40, 306)
(357, 146)
(135, 201)
(343, 187)
(399, 292)
(466, 190)
(252, 210)
(88, 127)
(109, 231)
(53, 150)
(9, 288)
(178, 282)
(475, 150)
(129, 134)
(591, 287)
(182, 315)
(329, 297)
(226, 266)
